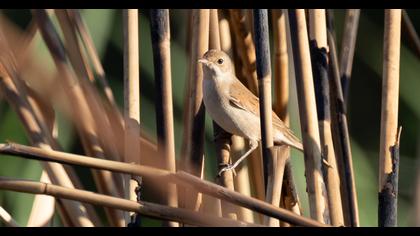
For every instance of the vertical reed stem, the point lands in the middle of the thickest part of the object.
(262, 50)
(131, 96)
(307, 111)
(164, 115)
(389, 139)
(193, 142)
(341, 135)
(319, 48)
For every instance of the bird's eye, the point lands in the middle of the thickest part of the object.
(220, 61)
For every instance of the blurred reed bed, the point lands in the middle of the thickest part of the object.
(291, 54)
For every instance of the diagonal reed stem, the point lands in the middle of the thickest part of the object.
(145, 208)
(159, 175)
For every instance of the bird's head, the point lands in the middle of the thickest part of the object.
(216, 62)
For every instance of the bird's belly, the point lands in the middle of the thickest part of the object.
(231, 119)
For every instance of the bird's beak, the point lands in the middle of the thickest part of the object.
(203, 61)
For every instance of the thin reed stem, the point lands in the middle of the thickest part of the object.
(131, 96)
(262, 49)
(319, 49)
(159, 175)
(164, 113)
(307, 111)
(341, 135)
(144, 208)
(80, 105)
(193, 141)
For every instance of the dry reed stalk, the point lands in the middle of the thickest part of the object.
(145, 208)
(307, 112)
(222, 138)
(164, 113)
(74, 91)
(193, 141)
(40, 110)
(341, 135)
(87, 41)
(318, 27)
(389, 139)
(262, 50)
(319, 48)
(82, 69)
(244, 58)
(7, 219)
(281, 91)
(131, 96)
(43, 208)
(38, 136)
(159, 175)
(289, 193)
(348, 46)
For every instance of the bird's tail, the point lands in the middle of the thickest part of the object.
(292, 141)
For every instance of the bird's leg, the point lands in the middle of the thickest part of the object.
(253, 145)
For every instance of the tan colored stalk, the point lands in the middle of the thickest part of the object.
(38, 136)
(389, 117)
(318, 33)
(160, 33)
(131, 95)
(193, 141)
(307, 112)
(159, 175)
(80, 105)
(87, 41)
(144, 208)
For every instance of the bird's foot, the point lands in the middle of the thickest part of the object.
(227, 167)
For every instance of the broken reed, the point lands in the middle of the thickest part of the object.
(389, 139)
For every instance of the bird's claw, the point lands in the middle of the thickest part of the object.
(227, 167)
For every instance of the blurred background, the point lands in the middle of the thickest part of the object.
(363, 109)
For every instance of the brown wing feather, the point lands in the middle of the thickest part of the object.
(238, 92)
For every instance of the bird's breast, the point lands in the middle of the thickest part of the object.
(231, 119)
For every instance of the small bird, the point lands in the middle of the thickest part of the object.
(236, 109)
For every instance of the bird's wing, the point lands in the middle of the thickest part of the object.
(242, 98)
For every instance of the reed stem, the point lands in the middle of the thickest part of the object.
(389, 139)
(164, 113)
(307, 112)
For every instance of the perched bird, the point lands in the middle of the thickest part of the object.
(236, 109)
